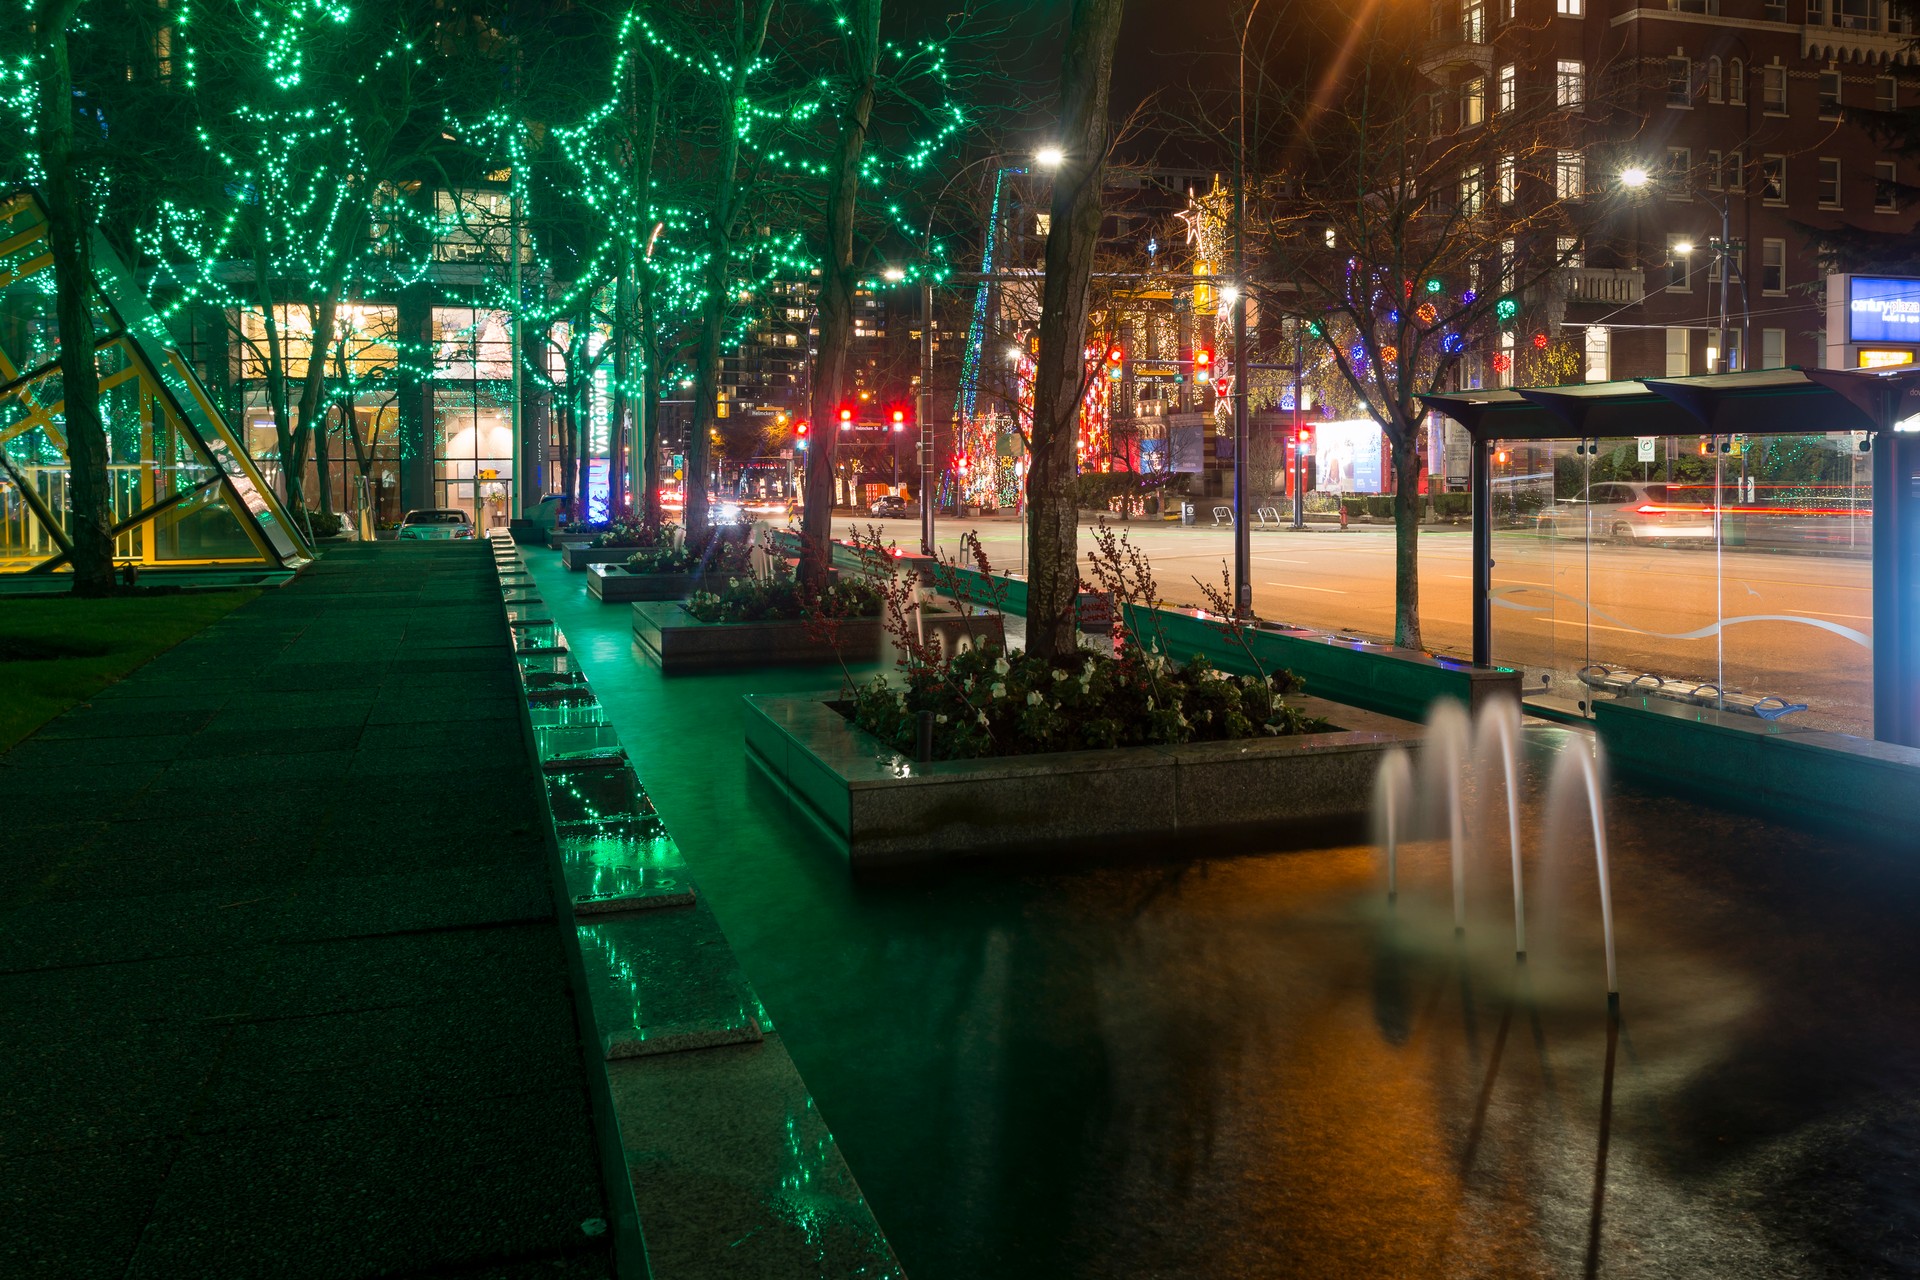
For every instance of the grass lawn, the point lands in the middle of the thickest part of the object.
(56, 651)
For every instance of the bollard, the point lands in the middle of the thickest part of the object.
(923, 748)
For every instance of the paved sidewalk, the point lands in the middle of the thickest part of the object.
(281, 991)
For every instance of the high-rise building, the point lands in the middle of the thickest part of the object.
(1735, 124)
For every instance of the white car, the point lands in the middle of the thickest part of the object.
(435, 524)
(1631, 511)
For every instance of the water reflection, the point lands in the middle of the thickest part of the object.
(1254, 1066)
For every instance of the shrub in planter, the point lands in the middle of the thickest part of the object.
(719, 554)
(1452, 506)
(779, 597)
(988, 702)
(1355, 506)
(1380, 506)
(324, 524)
(627, 531)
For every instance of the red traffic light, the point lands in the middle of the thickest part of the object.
(801, 430)
(1202, 361)
(1115, 355)
(846, 418)
(1305, 435)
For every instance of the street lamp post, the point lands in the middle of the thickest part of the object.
(1242, 528)
(1638, 178)
(1046, 158)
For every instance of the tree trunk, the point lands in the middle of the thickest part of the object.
(837, 280)
(649, 437)
(620, 427)
(1053, 579)
(310, 423)
(1406, 537)
(89, 495)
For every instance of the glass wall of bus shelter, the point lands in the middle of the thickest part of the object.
(1725, 571)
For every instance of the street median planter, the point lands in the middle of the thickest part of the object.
(580, 555)
(1188, 800)
(616, 584)
(680, 642)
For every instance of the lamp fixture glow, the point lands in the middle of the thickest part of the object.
(1683, 247)
(1230, 294)
(1049, 157)
(894, 274)
(1634, 177)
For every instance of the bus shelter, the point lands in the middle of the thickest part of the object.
(1745, 541)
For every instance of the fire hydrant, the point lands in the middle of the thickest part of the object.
(1343, 517)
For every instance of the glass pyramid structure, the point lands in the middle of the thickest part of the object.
(185, 494)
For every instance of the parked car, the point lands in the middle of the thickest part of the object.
(889, 506)
(436, 524)
(1630, 511)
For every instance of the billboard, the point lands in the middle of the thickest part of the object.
(1883, 309)
(1348, 456)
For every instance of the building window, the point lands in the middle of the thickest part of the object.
(1507, 253)
(1773, 348)
(1509, 87)
(1737, 83)
(1679, 173)
(1569, 83)
(1679, 353)
(1739, 265)
(1860, 15)
(1829, 95)
(1473, 22)
(1473, 102)
(1507, 346)
(1569, 175)
(1816, 13)
(1773, 179)
(1508, 180)
(1679, 81)
(1570, 8)
(1885, 198)
(1774, 10)
(1773, 266)
(1886, 94)
(1567, 252)
(1715, 90)
(1773, 88)
(1710, 7)
(1471, 191)
(1597, 345)
(1737, 169)
(1716, 165)
(1436, 113)
(1679, 264)
(1829, 188)
(1506, 10)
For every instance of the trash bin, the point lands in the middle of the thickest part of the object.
(1186, 513)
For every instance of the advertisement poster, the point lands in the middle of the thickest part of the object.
(1348, 456)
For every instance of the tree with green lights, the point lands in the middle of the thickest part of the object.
(69, 202)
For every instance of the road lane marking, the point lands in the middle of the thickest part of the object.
(1300, 586)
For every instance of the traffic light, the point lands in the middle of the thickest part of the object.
(1202, 363)
(1115, 355)
(846, 418)
(801, 431)
(899, 419)
(1304, 436)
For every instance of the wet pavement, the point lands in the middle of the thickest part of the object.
(281, 988)
(1251, 1066)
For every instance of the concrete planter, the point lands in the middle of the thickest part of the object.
(613, 584)
(560, 539)
(1260, 793)
(579, 555)
(679, 642)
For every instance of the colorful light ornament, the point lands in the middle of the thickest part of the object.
(1505, 310)
(1434, 285)
(1501, 362)
(1453, 344)
(1389, 354)
(1426, 313)
(1539, 342)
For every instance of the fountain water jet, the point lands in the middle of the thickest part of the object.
(1442, 762)
(1392, 801)
(1573, 774)
(1495, 737)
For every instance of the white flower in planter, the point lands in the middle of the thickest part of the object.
(983, 719)
(1000, 667)
(939, 719)
(1034, 699)
(999, 690)
(1059, 675)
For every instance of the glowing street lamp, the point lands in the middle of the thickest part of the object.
(1049, 157)
(1635, 177)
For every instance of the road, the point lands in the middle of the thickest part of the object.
(1796, 625)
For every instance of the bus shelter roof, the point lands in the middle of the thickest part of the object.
(1758, 402)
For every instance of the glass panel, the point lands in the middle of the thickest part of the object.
(1796, 580)
(1539, 576)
